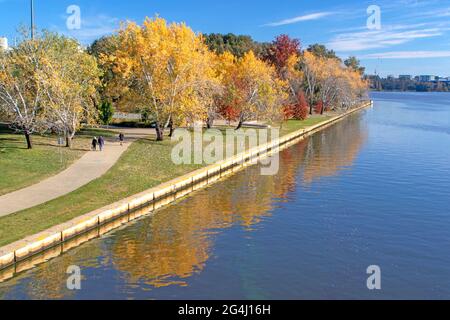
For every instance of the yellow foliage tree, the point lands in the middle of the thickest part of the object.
(329, 75)
(48, 82)
(163, 67)
(69, 79)
(326, 80)
(294, 75)
(20, 90)
(252, 88)
(311, 65)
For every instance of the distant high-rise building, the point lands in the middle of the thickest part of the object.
(3, 43)
(405, 77)
(427, 78)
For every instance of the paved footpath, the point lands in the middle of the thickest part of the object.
(89, 167)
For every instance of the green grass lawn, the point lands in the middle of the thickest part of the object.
(21, 167)
(145, 164)
(95, 132)
(293, 125)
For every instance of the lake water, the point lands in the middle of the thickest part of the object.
(372, 190)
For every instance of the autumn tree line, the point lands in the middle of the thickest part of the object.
(172, 74)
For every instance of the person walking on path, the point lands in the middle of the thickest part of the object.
(94, 144)
(121, 138)
(101, 143)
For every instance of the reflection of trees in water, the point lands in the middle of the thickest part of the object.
(177, 242)
(49, 280)
(330, 151)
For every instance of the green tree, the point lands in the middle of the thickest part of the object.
(238, 45)
(353, 63)
(320, 51)
(106, 112)
(104, 45)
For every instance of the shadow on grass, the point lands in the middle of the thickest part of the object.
(4, 128)
(18, 144)
(153, 141)
(13, 143)
(9, 139)
(43, 144)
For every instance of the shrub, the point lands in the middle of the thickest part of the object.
(288, 111)
(300, 109)
(319, 107)
(302, 112)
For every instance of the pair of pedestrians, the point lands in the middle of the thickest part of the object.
(100, 142)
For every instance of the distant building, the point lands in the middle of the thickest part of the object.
(427, 78)
(375, 82)
(407, 77)
(3, 43)
(391, 77)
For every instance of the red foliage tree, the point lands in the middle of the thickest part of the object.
(300, 108)
(319, 107)
(282, 48)
(229, 112)
(288, 111)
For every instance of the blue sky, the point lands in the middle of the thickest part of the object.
(414, 37)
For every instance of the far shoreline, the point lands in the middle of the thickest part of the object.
(397, 91)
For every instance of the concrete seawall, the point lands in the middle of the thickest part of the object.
(29, 252)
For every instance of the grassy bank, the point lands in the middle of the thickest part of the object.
(21, 167)
(294, 125)
(144, 165)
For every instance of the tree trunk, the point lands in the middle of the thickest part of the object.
(28, 138)
(159, 132)
(171, 128)
(240, 125)
(68, 142)
(209, 122)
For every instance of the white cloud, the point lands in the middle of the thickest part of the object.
(388, 36)
(443, 13)
(94, 27)
(435, 13)
(407, 55)
(308, 17)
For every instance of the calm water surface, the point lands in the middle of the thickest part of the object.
(372, 190)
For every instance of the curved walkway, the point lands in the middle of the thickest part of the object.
(89, 167)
